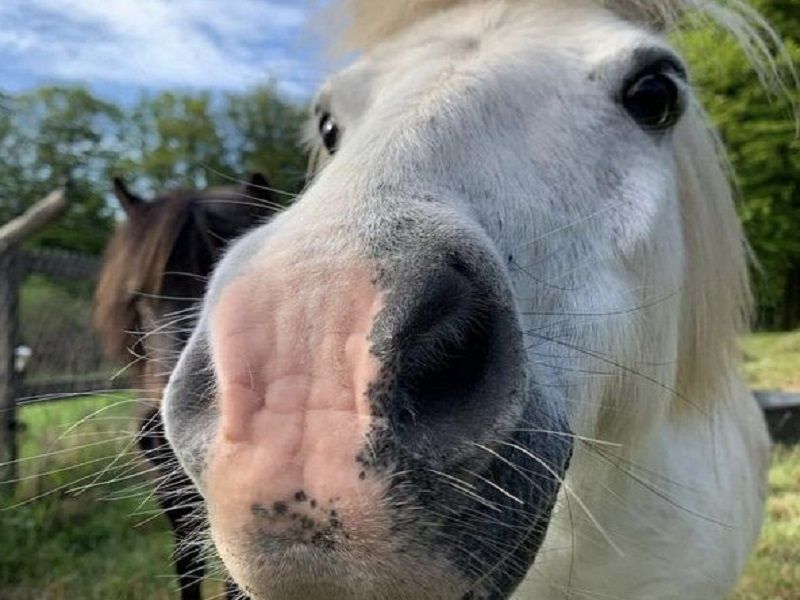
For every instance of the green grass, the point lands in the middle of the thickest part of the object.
(110, 542)
(106, 542)
(774, 570)
(772, 360)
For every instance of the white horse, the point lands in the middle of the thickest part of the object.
(491, 352)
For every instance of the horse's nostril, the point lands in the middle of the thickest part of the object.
(450, 360)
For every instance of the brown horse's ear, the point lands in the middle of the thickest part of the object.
(127, 199)
(257, 186)
(229, 213)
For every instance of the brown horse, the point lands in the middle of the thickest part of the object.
(154, 271)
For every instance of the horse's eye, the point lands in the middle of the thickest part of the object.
(329, 131)
(654, 100)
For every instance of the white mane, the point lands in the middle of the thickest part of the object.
(374, 20)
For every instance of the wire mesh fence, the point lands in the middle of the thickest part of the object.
(56, 350)
(48, 349)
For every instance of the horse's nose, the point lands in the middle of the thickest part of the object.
(451, 350)
(325, 373)
(293, 367)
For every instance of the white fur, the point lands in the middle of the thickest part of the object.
(636, 290)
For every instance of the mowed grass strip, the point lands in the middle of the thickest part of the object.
(772, 360)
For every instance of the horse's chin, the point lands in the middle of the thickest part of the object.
(294, 572)
(271, 569)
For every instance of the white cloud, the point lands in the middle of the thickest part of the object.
(153, 43)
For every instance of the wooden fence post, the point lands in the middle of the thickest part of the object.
(11, 235)
(9, 287)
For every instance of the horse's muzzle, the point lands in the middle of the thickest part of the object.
(325, 406)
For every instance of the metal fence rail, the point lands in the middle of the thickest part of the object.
(782, 412)
(59, 264)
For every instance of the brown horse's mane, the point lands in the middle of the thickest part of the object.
(153, 276)
(134, 264)
(167, 247)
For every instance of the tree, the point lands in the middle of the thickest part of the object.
(165, 141)
(264, 134)
(48, 136)
(185, 140)
(759, 128)
(172, 140)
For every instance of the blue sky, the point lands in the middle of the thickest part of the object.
(120, 47)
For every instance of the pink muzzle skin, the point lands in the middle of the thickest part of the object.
(293, 366)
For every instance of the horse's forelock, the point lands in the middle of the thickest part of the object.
(372, 21)
(716, 296)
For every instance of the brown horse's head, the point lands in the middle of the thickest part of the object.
(156, 265)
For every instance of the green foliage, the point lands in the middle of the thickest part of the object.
(165, 141)
(54, 133)
(176, 140)
(259, 126)
(759, 128)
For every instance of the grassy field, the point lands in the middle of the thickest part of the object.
(91, 531)
(774, 569)
(87, 528)
(772, 360)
